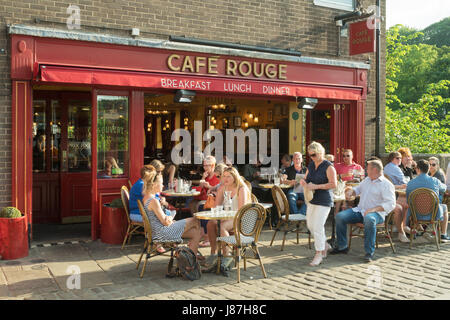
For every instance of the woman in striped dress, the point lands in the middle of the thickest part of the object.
(163, 226)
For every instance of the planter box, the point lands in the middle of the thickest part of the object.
(114, 225)
(13, 238)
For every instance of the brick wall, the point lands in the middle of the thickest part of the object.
(294, 24)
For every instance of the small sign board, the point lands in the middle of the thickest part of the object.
(362, 37)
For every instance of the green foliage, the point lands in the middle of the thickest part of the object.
(116, 203)
(438, 34)
(10, 212)
(417, 93)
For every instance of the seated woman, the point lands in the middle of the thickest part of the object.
(163, 226)
(218, 171)
(240, 195)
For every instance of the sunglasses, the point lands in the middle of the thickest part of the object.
(346, 156)
(313, 155)
(433, 164)
(400, 158)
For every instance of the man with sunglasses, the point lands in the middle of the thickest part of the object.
(345, 169)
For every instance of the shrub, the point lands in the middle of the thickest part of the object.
(10, 212)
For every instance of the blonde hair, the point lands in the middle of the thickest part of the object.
(238, 182)
(316, 147)
(435, 160)
(220, 168)
(158, 165)
(149, 179)
(376, 164)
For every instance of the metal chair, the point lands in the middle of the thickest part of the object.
(424, 202)
(247, 226)
(150, 245)
(133, 226)
(285, 218)
(383, 229)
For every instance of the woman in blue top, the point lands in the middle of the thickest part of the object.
(320, 177)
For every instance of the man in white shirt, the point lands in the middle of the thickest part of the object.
(377, 199)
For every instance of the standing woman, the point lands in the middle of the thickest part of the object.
(320, 177)
(163, 226)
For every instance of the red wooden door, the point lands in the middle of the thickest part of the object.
(61, 157)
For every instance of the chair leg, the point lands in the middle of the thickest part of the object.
(238, 257)
(435, 229)
(270, 218)
(411, 235)
(284, 239)
(260, 261)
(143, 251)
(126, 237)
(276, 230)
(146, 259)
(298, 230)
(350, 237)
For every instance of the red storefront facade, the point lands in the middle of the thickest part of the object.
(131, 71)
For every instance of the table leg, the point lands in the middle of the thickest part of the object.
(332, 241)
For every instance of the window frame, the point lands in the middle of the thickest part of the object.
(333, 5)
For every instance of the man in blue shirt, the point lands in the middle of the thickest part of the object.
(393, 171)
(423, 180)
(291, 178)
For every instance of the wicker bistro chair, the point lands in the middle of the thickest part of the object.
(286, 219)
(383, 229)
(150, 244)
(424, 202)
(133, 226)
(247, 226)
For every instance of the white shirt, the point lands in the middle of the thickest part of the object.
(374, 193)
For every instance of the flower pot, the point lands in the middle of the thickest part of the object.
(13, 238)
(114, 225)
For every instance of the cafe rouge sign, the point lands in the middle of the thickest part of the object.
(227, 67)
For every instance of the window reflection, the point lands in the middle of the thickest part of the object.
(79, 136)
(39, 138)
(112, 136)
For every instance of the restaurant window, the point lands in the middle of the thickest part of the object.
(55, 135)
(112, 137)
(348, 5)
(39, 136)
(79, 136)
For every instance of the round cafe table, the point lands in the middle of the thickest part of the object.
(224, 215)
(271, 185)
(179, 198)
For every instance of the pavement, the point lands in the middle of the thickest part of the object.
(81, 269)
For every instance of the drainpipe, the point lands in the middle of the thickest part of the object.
(378, 93)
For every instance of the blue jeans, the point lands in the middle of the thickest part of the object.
(370, 228)
(292, 199)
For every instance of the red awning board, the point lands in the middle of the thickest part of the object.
(90, 76)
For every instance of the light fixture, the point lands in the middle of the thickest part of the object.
(250, 115)
(306, 103)
(245, 123)
(184, 96)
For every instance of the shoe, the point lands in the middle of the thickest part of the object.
(226, 263)
(160, 249)
(445, 238)
(428, 236)
(368, 257)
(204, 244)
(407, 229)
(338, 251)
(317, 260)
(403, 238)
(327, 248)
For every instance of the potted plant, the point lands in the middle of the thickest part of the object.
(114, 222)
(13, 234)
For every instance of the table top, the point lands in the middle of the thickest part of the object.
(171, 193)
(208, 215)
(267, 205)
(270, 186)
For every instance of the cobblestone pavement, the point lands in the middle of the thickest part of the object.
(107, 272)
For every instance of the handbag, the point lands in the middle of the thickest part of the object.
(210, 202)
(308, 193)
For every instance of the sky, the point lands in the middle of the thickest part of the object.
(417, 14)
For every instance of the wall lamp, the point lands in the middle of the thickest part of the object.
(184, 96)
(306, 103)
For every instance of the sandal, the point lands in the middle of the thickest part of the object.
(160, 249)
(204, 244)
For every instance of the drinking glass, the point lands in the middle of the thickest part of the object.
(219, 209)
(276, 181)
